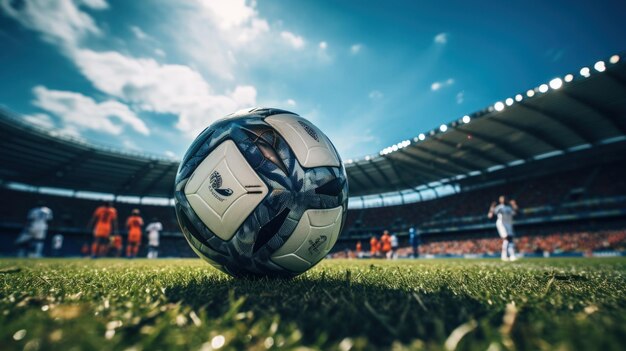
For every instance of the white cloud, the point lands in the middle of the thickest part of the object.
(323, 45)
(41, 120)
(139, 33)
(291, 102)
(60, 22)
(356, 48)
(83, 112)
(375, 95)
(162, 88)
(169, 154)
(441, 84)
(441, 38)
(229, 14)
(460, 97)
(159, 52)
(296, 41)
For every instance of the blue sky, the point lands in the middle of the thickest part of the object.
(149, 75)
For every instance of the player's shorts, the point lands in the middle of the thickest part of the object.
(102, 232)
(505, 230)
(37, 233)
(101, 240)
(135, 240)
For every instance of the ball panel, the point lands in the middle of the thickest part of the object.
(224, 190)
(311, 239)
(292, 262)
(311, 146)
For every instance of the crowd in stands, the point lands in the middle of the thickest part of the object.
(565, 192)
(71, 212)
(552, 243)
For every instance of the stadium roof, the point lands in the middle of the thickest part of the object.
(570, 113)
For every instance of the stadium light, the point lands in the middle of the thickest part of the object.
(543, 88)
(443, 127)
(499, 106)
(367, 158)
(568, 78)
(466, 119)
(599, 66)
(556, 83)
(416, 139)
(530, 93)
(421, 136)
(585, 72)
(518, 97)
(509, 101)
(614, 59)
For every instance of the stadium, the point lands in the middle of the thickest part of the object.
(565, 166)
(425, 257)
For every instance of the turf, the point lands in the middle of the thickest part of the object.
(340, 304)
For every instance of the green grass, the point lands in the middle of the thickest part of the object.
(340, 304)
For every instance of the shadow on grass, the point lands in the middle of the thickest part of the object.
(334, 308)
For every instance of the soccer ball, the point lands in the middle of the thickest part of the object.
(262, 192)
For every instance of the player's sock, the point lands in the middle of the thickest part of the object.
(505, 244)
(511, 249)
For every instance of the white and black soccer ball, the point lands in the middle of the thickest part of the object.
(261, 193)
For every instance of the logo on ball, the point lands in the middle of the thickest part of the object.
(216, 186)
(314, 246)
(309, 131)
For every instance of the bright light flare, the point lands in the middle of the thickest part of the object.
(600, 66)
(556, 83)
(585, 72)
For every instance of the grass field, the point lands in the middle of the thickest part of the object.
(341, 304)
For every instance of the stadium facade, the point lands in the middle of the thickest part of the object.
(564, 142)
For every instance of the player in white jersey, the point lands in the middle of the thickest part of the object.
(153, 229)
(394, 246)
(504, 223)
(37, 228)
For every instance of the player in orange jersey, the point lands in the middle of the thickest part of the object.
(105, 219)
(374, 246)
(385, 243)
(359, 249)
(134, 224)
(116, 245)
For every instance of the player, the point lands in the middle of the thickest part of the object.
(505, 213)
(394, 246)
(385, 243)
(57, 245)
(133, 224)
(37, 229)
(359, 249)
(414, 239)
(153, 229)
(105, 219)
(116, 245)
(374, 246)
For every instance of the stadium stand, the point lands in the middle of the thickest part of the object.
(560, 152)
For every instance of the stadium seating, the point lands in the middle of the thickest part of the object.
(587, 190)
